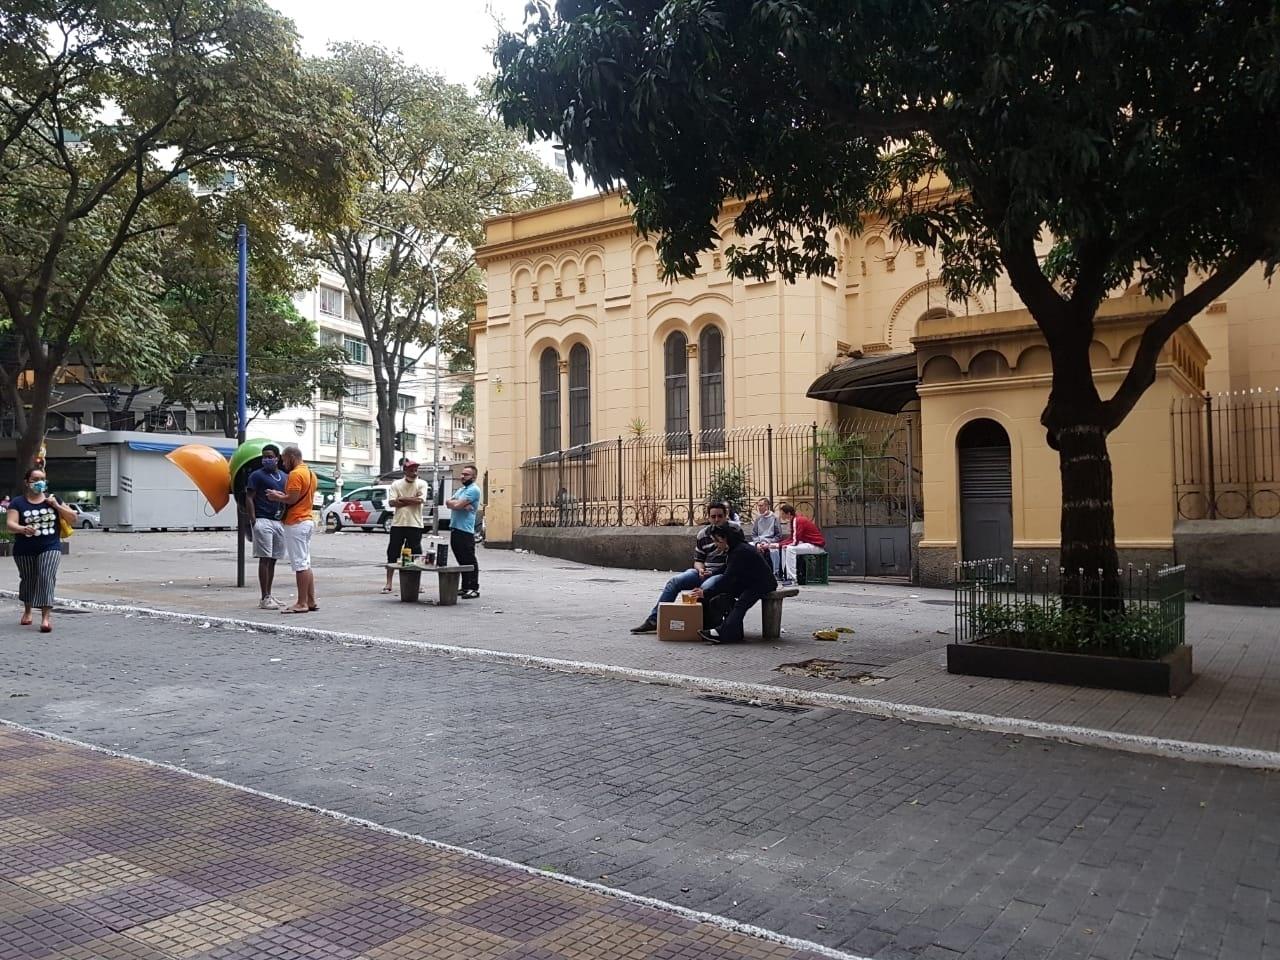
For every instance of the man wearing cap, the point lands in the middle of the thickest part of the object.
(407, 497)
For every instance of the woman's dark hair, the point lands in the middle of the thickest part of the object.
(730, 535)
(787, 508)
(26, 477)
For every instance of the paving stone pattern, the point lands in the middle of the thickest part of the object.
(109, 859)
(552, 608)
(884, 838)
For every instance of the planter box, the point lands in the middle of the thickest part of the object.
(1168, 676)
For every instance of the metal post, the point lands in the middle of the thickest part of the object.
(435, 411)
(817, 492)
(769, 458)
(620, 481)
(689, 433)
(337, 444)
(1208, 425)
(242, 375)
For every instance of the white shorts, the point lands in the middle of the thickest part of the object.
(297, 542)
(268, 539)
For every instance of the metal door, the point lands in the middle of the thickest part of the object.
(986, 492)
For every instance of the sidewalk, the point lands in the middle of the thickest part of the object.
(109, 859)
(545, 607)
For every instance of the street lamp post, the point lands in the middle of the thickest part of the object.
(435, 401)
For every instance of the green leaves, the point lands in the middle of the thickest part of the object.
(1147, 133)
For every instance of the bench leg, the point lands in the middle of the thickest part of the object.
(410, 585)
(771, 618)
(449, 589)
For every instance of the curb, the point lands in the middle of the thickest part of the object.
(713, 919)
(1221, 754)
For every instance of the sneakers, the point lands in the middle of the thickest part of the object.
(268, 603)
(469, 595)
(649, 626)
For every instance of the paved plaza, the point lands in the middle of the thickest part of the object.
(540, 606)
(109, 859)
(872, 836)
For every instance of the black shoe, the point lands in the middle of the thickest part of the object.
(469, 595)
(649, 626)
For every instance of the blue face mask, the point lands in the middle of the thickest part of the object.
(269, 463)
(39, 486)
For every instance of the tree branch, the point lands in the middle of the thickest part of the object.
(1142, 373)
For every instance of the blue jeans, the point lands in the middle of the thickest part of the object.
(683, 581)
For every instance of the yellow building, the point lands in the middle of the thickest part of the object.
(582, 342)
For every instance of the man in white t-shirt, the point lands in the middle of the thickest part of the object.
(407, 497)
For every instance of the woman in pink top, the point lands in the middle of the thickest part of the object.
(805, 538)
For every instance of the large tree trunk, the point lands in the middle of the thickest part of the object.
(1074, 418)
(32, 437)
(387, 440)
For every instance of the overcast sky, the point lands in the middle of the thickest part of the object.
(450, 37)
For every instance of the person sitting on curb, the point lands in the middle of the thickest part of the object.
(765, 532)
(746, 576)
(805, 538)
(708, 561)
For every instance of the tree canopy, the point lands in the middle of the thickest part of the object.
(1138, 141)
(441, 164)
(109, 115)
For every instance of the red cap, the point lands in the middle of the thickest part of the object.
(411, 465)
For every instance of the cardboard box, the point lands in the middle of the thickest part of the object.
(679, 621)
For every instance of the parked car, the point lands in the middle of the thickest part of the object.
(87, 517)
(366, 508)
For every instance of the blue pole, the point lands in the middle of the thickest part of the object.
(242, 376)
(242, 333)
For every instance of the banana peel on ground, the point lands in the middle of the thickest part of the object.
(832, 634)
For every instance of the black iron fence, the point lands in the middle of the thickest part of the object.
(1227, 455)
(853, 473)
(1140, 613)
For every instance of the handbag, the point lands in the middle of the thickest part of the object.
(65, 530)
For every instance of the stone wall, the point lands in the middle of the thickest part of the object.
(1231, 561)
(635, 548)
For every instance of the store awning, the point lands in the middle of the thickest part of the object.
(886, 382)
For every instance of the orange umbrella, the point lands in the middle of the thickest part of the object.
(208, 470)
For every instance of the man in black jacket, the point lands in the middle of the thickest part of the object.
(746, 576)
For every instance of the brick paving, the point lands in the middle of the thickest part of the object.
(878, 837)
(553, 608)
(109, 859)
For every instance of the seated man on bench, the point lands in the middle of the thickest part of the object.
(747, 576)
(708, 561)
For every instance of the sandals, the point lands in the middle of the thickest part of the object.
(291, 610)
(386, 589)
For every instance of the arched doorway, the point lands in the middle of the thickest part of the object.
(986, 491)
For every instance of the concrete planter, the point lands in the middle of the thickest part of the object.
(1169, 676)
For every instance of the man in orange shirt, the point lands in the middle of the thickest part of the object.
(299, 490)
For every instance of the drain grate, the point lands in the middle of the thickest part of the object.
(602, 580)
(755, 704)
(940, 603)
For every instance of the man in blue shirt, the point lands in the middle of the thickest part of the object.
(464, 507)
(264, 520)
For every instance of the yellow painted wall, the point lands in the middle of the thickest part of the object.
(577, 272)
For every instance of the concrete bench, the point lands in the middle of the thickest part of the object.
(771, 612)
(411, 581)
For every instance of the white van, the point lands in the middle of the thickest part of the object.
(366, 508)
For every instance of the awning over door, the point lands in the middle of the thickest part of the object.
(886, 382)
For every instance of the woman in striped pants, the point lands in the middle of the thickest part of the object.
(33, 520)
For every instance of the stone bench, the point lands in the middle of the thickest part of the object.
(411, 581)
(771, 612)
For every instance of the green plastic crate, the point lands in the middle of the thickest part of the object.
(811, 569)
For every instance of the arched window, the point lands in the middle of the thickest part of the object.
(549, 409)
(676, 366)
(579, 395)
(711, 387)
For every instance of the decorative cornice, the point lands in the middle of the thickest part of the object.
(688, 301)
(558, 240)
